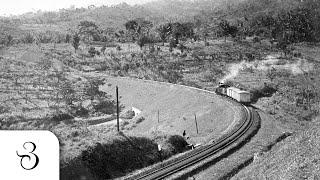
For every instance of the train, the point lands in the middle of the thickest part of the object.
(235, 93)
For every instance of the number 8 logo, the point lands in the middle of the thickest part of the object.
(28, 156)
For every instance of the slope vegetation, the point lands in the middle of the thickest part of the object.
(297, 157)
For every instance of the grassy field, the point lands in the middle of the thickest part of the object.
(177, 107)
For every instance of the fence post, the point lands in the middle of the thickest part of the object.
(158, 116)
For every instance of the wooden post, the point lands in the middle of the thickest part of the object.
(117, 94)
(26, 95)
(195, 119)
(158, 116)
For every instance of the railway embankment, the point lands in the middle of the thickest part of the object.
(242, 132)
(226, 152)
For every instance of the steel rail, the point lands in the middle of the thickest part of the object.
(202, 153)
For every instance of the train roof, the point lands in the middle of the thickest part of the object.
(238, 90)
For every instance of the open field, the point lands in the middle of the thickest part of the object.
(177, 107)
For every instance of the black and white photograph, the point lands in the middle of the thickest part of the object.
(160, 89)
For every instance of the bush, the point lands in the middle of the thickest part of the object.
(114, 159)
(92, 51)
(4, 109)
(118, 48)
(139, 120)
(264, 91)
(118, 157)
(105, 106)
(128, 114)
(75, 41)
(28, 38)
(178, 142)
(79, 111)
(60, 117)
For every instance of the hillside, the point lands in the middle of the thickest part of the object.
(157, 11)
(297, 157)
(113, 18)
(60, 70)
(104, 16)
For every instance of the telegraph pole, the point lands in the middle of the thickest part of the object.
(117, 94)
(195, 119)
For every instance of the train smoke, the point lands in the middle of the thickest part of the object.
(234, 70)
(297, 66)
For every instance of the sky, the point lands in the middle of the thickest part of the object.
(16, 7)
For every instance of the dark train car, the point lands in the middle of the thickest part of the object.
(222, 89)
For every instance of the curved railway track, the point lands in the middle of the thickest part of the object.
(199, 154)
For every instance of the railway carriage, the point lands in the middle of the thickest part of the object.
(233, 92)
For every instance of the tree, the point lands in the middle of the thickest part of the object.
(164, 31)
(9, 39)
(227, 29)
(138, 27)
(89, 30)
(131, 25)
(132, 28)
(68, 38)
(28, 38)
(92, 51)
(203, 27)
(179, 30)
(284, 41)
(76, 41)
(142, 40)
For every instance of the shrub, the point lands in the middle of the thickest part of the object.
(128, 114)
(60, 117)
(118, 48)
(263, 91)
(105, 106)
(76, 42)
(123, 154)
(4, 109)
(178, 143)
(28, 38)
(92, 51)
(68, 38)
(79, 111)
(139, 120)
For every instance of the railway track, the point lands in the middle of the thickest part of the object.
(199, 154)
